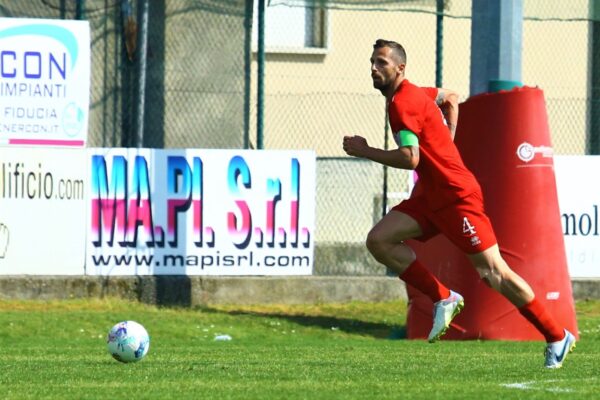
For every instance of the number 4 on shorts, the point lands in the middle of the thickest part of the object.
(467, 227)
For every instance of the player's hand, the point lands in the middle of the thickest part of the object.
(355, 145)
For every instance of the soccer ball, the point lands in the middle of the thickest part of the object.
(128, 341)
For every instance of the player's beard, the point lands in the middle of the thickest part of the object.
(380, 84)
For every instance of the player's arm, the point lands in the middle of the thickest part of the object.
(404, 157)
(447, 101)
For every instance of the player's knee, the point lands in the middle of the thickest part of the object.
(376, 244)
(373, 243)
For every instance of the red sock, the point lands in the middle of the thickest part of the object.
(418, 276)
(538, 315)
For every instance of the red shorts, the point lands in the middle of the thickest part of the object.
(464, 223)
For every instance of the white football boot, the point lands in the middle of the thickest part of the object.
(444, 312)
(556, 352)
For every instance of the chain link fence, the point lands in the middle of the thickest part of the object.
(331, 95)
(194, 87)
(201, 85)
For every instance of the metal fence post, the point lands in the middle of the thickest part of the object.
(247, 69)
(79, 9)
(142, 47)
(386, 135)
(496, 42)
(593, 137)
(439, 43)
(261, 75)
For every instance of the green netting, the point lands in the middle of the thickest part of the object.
(458, 9)
(549, 10)
(316, 94)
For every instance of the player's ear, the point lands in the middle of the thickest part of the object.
(400, 68)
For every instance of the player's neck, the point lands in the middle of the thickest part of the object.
(391, 90)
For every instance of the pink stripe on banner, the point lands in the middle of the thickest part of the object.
(47, 142)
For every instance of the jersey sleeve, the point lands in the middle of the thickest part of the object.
(431, 92)
(408, 117)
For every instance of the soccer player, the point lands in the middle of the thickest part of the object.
(447, 199)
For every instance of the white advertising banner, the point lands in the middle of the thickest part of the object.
(44, 82)
(200, 212)
(579, 199)
(42, 207)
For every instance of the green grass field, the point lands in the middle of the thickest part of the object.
(58, 350)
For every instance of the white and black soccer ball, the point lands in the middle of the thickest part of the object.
(128, 341)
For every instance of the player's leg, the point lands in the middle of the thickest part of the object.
(386, 243)
(386, 239)
(496, 273)
(478, 241)
(468, 227)
(494, 270)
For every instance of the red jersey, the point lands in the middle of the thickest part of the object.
(443, 177)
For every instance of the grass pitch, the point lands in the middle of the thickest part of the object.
(58, 350)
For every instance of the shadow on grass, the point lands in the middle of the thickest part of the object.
(351, 326)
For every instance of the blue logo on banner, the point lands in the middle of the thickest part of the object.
(63, 35)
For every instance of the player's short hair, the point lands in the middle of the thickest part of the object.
(395, 46)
